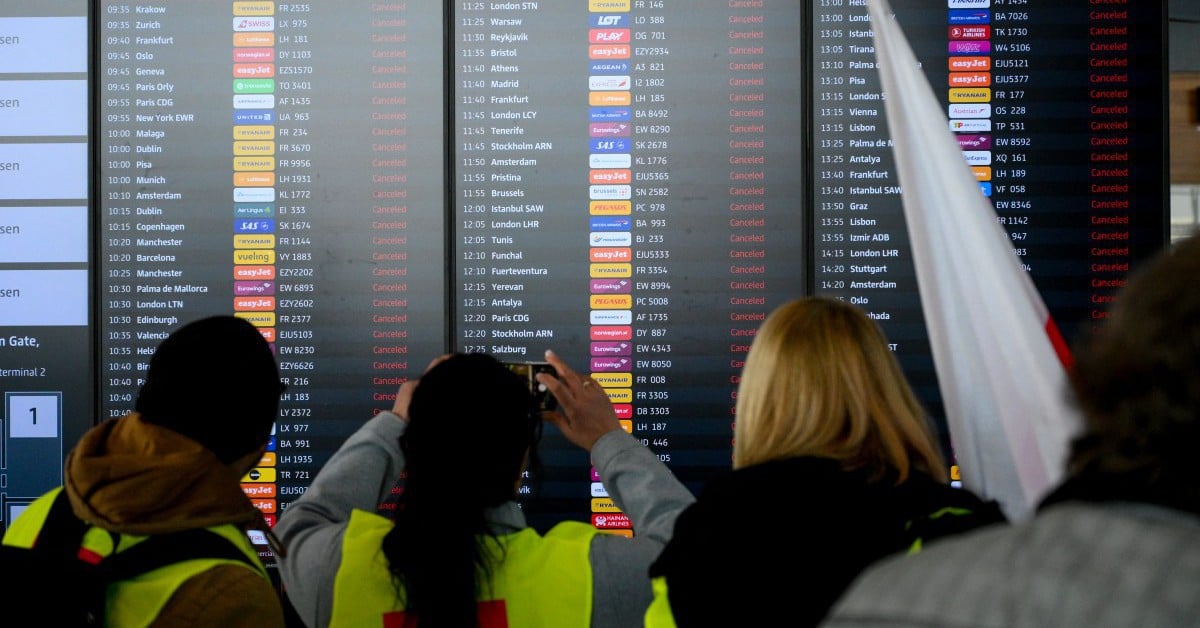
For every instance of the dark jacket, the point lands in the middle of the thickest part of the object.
(784, 539)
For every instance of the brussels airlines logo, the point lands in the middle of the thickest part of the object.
(609, 21)
(968, 16)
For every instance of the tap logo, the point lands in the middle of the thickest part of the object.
(971, 126)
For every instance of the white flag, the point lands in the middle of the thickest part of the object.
(1000, 361)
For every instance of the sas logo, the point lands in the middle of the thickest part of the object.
(609, 146)
(254, 226)
(610, 21)
(253, 24)
(971, 126)
(610, 286)
(969, 16)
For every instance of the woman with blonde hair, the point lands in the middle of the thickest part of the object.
(834, 467)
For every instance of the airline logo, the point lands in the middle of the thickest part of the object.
(970, 64)
(982, 173)
(610, 286)
(609, 6)
(610, 270)
(254, 179)
(254, 195)
(971, 141)
(609, 192)
(250, 70)
(254, 226)
(608, 83)
(614, 521)
(970, 79)
(264, 241)
(611, 364)
(611, 332)
(609, 224)
(253, 86)
(260, 319)
(613, 380)
(610, 254)
(256, 257)
(251, 40)
(619, 395)
(609, 114)
(265, 505)
(248, 288)
(961, 110)
(258, 490)
(598, 490)
(610, 208)
(268, 334)
(969, 16)
(252, 210)
(970, 94)
(244, 273)
(609, 99)
(253, 24)
(609, 36)
(970, 47)
(609, 146)
(254, 101)
(610, 317)
(254, 8)
(610, 238)
(609, 160)
(978, 157)
(268, 458)
(969, 4)
(610, 51)
(271, 440)
(611, 348)
(608, 21)
(604, 504)
(610, 176)
(259, 474)
(254, 147)
(609, 67)
(253, 164)
(971, 126)
(610, 301)
(254, 116)
(252, 55)
(624, 411)
(986, 188)
(970, 32)
(254, 304)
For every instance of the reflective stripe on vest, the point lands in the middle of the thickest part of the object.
(659, 615)
(544, 581)
(137, 601)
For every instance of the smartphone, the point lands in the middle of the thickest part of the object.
(528, 372)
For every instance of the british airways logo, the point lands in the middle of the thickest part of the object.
(609, 114)
(970, 16)
(617, 21)
(606, 223)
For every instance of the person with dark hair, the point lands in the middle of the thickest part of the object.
(458, 551)
(834, 466)
(1117, 543)
(202, 419)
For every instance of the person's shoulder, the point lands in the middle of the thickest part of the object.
(227, 595)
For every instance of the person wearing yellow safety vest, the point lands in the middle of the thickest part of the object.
(834, 467)
(458, 551)
(203, 419)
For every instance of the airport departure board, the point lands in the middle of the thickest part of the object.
(635, 184)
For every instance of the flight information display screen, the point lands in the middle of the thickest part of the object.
(632, 184)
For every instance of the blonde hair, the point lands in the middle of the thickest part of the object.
(820, 380)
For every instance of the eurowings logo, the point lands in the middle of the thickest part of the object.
(611, 364)
(974, 142)
(247, 288)
(610, 129)
(610, 286)
(611, 348)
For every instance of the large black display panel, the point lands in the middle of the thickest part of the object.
(1060, 110)
(282, 162)
(46, 391)
(628, 193)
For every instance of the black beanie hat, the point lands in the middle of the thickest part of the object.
(215, 381)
